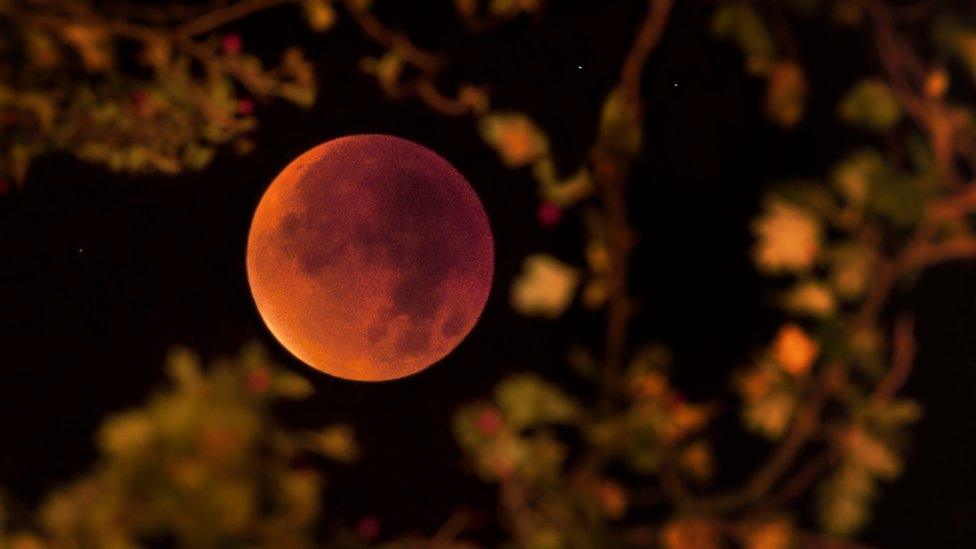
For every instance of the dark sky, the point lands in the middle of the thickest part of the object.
(101, 273)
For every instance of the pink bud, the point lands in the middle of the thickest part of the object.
(259, 380)
(674, 400)
(549, 214)
(245, 107)
(368, 528)
(232, 43)
(139, 97)
(489, 422)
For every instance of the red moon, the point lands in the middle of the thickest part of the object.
(370, 257)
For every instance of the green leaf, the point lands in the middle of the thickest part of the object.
(900, 198)
(853, 175)
(740, 23)
(196, 156)
(526, 400)
(620, 128)
(954, 36)
(337, 442)
(844, 499)
(872, 105)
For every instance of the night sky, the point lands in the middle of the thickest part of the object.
(101, 273)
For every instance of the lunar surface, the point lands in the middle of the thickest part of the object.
(370, 257)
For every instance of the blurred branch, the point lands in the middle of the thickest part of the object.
(381, 34)
(427, 63)
(903, 355)
(257, 84)
(907, 73)
(224, 15)
(805, 425)
(928, 253)
(611, 175)
(798, 484)
(647, 39)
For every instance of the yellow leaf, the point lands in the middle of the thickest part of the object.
(788, 238)
(794, 350)
(338, 442)
(516, 138)
(810, 298)
(769, 534)
(871, 104)
(545, 287)
(320, 14)
(690, 533)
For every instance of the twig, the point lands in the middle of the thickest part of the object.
(906, 72)
(931, 253)
(428, 93)
(430, 64)
(647, 38)
(766, 475)
(380, 33)
(903, 355)
(255, 83)
(801, 480)
(222, 16)
(611, 175)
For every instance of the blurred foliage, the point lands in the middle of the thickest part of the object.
(837, 246)
(203, 464)
(618, 457)
(140, 92)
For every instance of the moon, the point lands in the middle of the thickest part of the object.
(370, 257)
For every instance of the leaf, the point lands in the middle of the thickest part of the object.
(515, 137)
(773, 533)
(183, 366)
(42, 50)
(526, 400)
(844, 499)
(865, 450)
(511, 8)
(954, 36)
(786, 93)
(850, 270)
(740, 23)
(620, 128)
(900, 198)
(545, 287)
(810, 298)
(320, 14)
(196, 156)
(289, 385)
(872, 105)
(566, 192)
(852, 176)
(771, 414)
(788, 238)
(338, 442)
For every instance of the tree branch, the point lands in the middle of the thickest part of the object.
(219, 17)
(903, 355)
(611, 176)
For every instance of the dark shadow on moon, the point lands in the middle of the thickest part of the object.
(454, 325)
